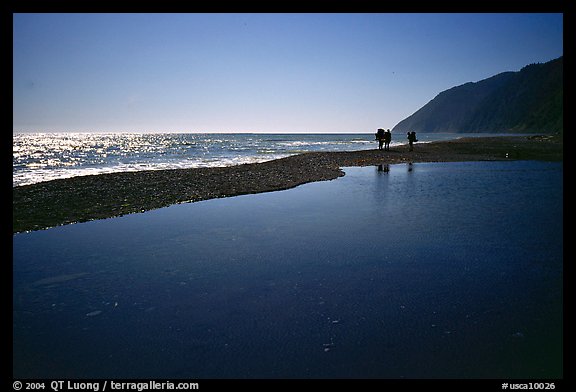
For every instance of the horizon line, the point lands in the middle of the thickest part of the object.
(190, 132)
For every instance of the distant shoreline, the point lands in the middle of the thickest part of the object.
(79, 199)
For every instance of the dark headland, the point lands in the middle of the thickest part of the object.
(78, 199)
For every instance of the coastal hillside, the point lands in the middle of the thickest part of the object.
(527, 101)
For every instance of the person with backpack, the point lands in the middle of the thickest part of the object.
(387, 140)
(411, 139)
(380, 137)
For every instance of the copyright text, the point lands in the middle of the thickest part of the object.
(101, 386)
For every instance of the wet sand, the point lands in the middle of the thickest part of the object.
(79, 199)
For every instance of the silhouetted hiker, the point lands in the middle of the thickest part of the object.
(380, 138)
(387, 140)
(411, 139)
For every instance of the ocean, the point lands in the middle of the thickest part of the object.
(428, 270)
(38, 157)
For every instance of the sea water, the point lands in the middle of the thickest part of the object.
(429, 270)
(38, 157)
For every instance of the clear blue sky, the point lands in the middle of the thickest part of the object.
(257, 72)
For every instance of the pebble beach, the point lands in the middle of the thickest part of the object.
(78, 199)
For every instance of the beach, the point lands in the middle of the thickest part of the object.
(224, 198)
(78, 199)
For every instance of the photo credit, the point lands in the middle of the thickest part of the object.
(104, 385)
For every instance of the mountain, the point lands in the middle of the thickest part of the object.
(527, 101)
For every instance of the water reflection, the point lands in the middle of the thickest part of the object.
(383, 167)
(361, 277)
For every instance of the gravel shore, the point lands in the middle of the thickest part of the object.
(79, 199)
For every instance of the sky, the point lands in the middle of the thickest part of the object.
(290, 73)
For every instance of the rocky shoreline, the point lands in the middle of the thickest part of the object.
(78, 199)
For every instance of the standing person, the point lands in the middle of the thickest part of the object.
(387, 139)
(411, 139)
(380, 138)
